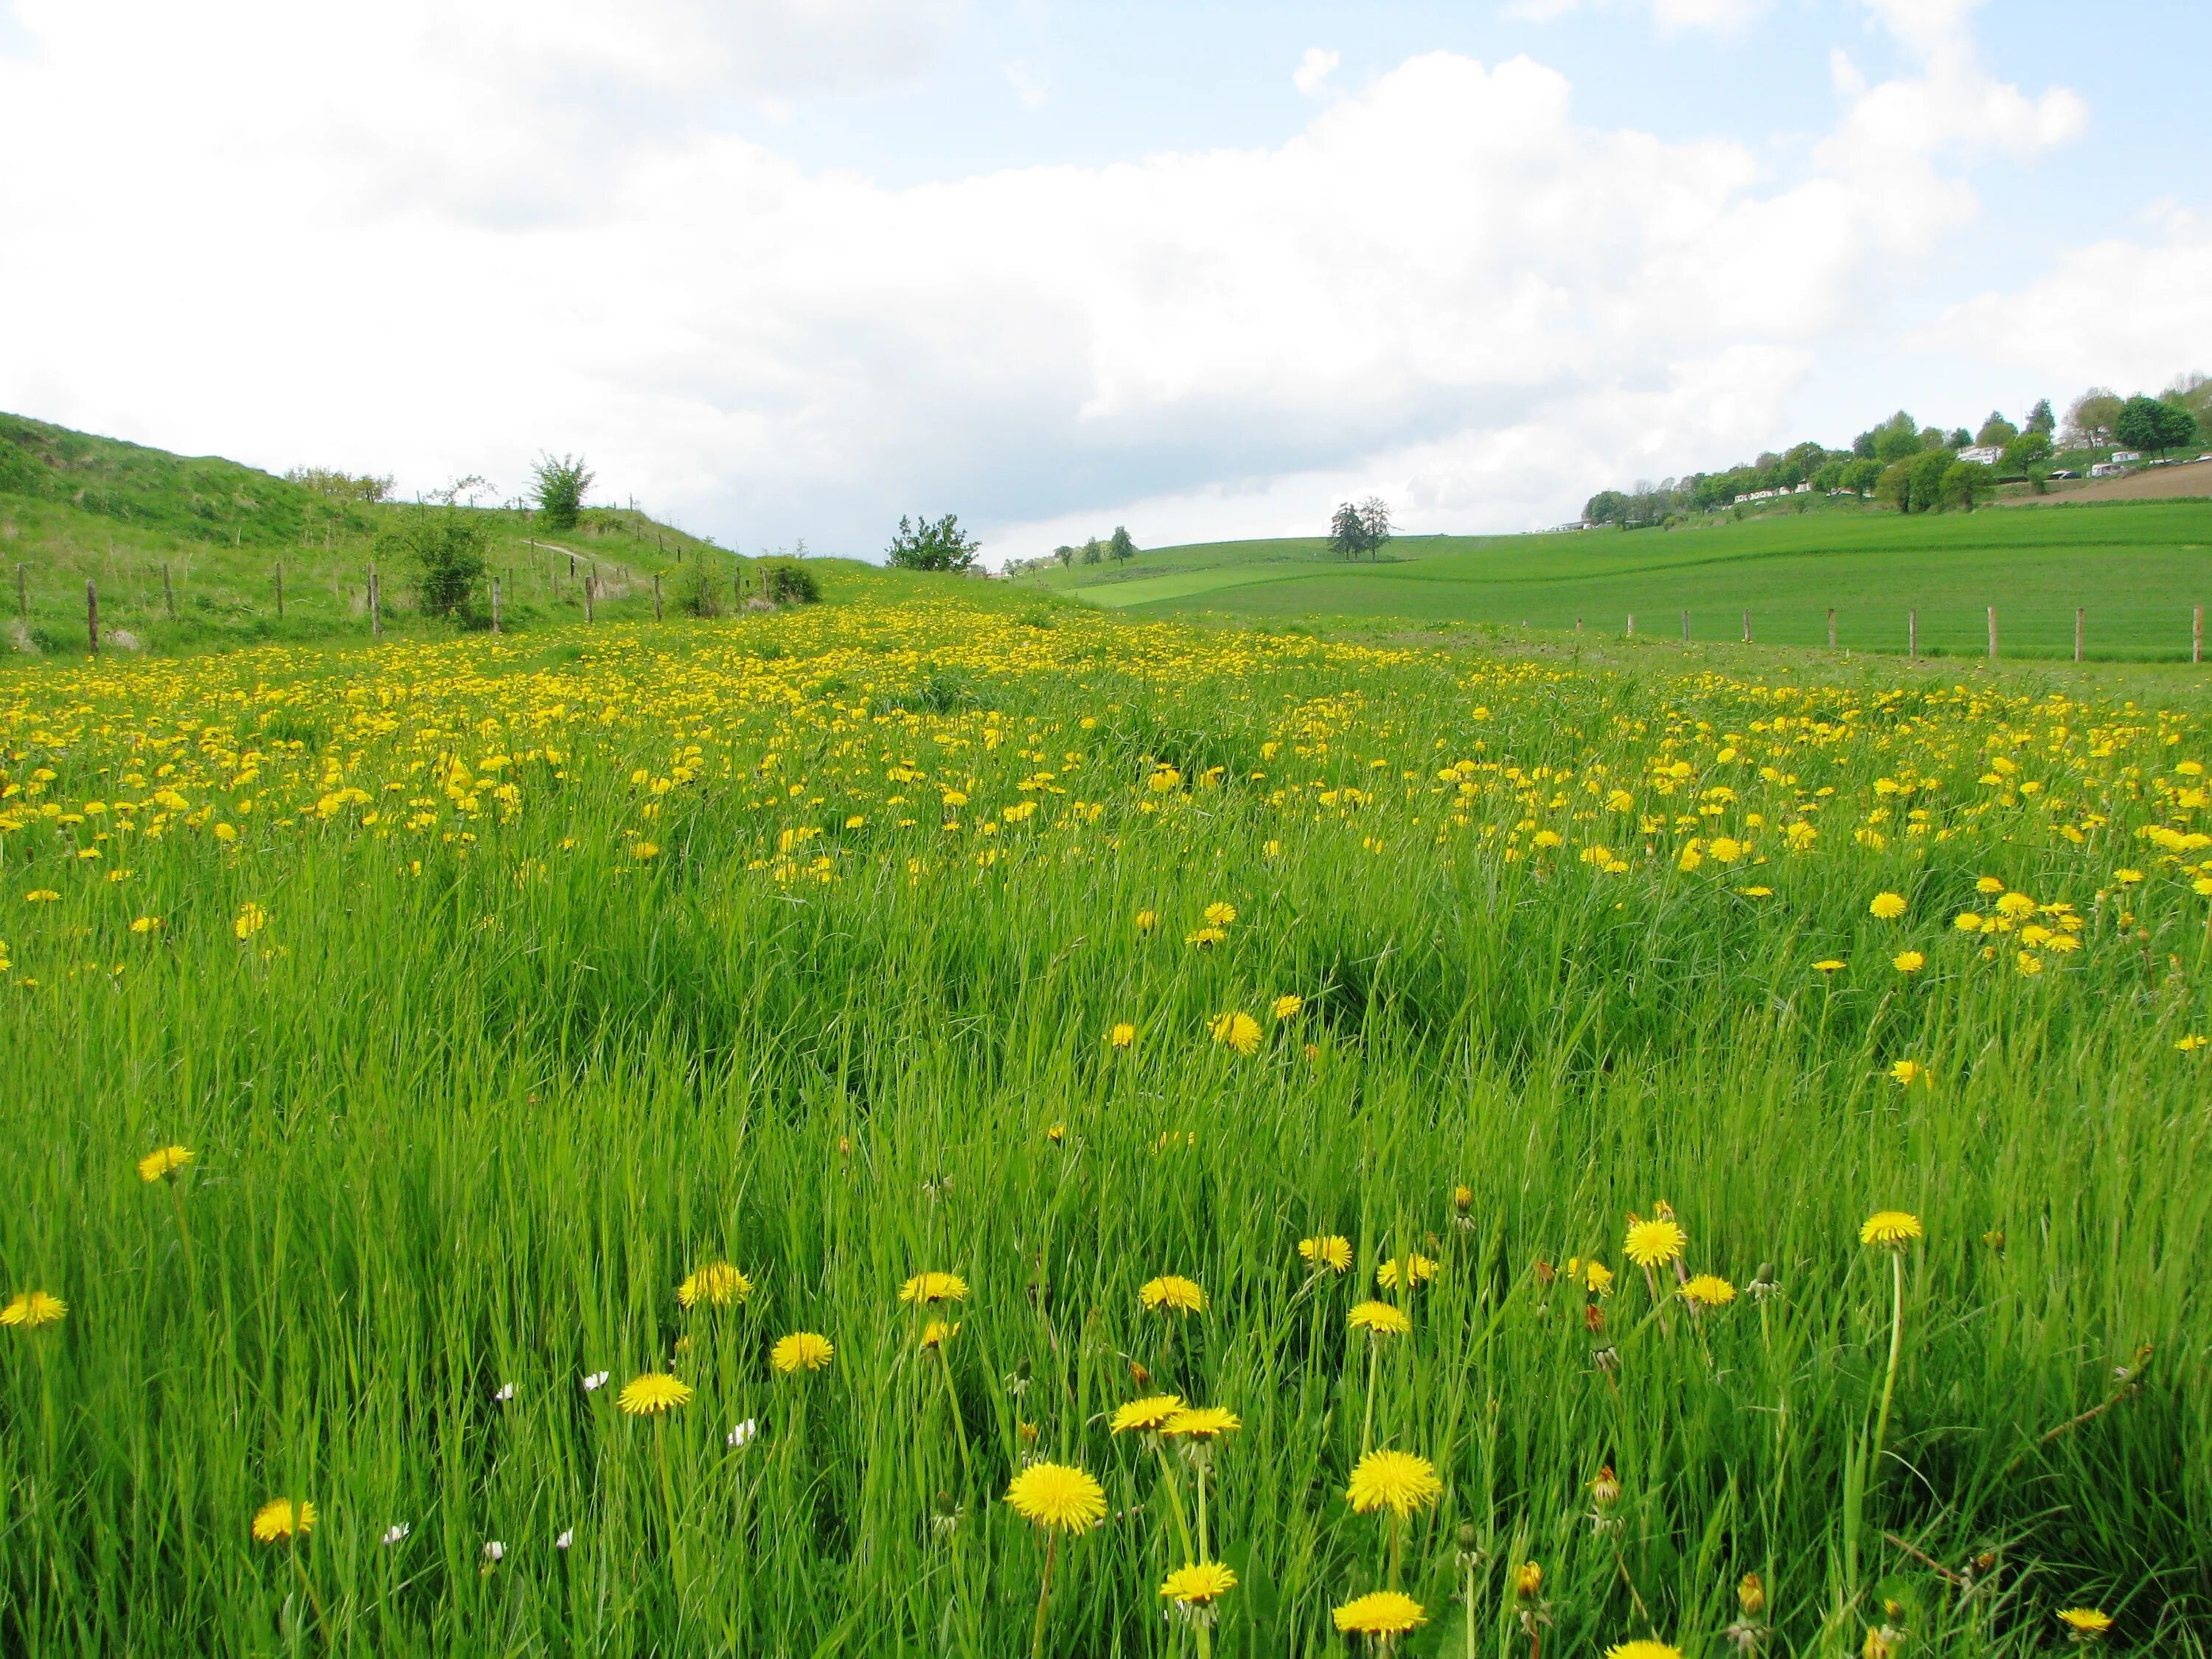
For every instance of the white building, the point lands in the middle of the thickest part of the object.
(1982, 454)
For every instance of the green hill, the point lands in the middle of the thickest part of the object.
(2136, 569)
(189, 552)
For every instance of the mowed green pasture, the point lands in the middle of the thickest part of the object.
(496, 987)
(2137, 570)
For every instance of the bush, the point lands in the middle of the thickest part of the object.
(938, 544)
(561, 480)
(790, 584)
(446, 545)
(698, 594)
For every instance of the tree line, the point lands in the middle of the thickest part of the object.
(1916, 469)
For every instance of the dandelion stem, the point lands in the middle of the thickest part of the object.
(1204, 1554)
(1044, 1592)
(1397, 1546)
(1367, 1427)
(1174, 1499)
(1889, 1378)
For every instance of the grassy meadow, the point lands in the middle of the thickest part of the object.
(557, 1024)
(2137, 568)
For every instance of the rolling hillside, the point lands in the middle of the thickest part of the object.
(2136, 569)
(191, 552)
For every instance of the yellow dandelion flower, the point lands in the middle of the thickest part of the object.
(1058, 1495)
(1329, 1250)
(1379, 1319)
(1288, 1006)
(1527, 1581)
(1967, 922)
(1395, 1481)
(280, 1518)
(802, 1351)
(1218, 914)
(2086, 1624)
(1198, 1585)
(166, 1160)
(1653, 1243)
(936, 1334)
(1150, 1413)
(1237, 1030)
(1123, 1036)
(717, 1284)
(1642, 1649)
(1828, 965)
(33, 1308)
(1886, 907)
(1708, 1290)
(1891, 1229)
(1203, 1422)
(1598, 1277)
(650, 1393)
(1419, 1270)
(925, 1288)
(1906, 1072)
(1908, 961)
(1172, 1293)
(643, 850)
(1380, 1614)
(1989, 884)
(250, 920)
(2127, 878)
(1147, 920)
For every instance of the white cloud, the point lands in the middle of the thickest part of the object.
(1311, 76)
(1723, 16)
(343, 236)
(2129, 313)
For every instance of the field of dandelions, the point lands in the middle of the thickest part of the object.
(909, 1128)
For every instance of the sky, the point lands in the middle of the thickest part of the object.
(789, 270)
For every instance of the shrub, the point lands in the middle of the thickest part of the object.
(561, 480)
(790, 584)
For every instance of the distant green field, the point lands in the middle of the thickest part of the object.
(2135, 569)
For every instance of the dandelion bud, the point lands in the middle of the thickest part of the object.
(1462, 1199)
(1527, 1581)
(1751, 1596)
(1140, 1376)
(1607, 1360)
(1593, 1318)
(1546, 1274)
(1882, 1641)
(1606, 1489)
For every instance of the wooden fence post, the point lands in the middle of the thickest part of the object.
(92, 615)
(168, 592)
(1631, 624)
(494, 604)
(1747, 627)
(280, 590)
(1993, 632)
(2077, 633)
(1686, 627)
(22, 593)
(1831, 628)
(2197, 635)
(589, 585)
(656, 596)
(1912, 636)
(375, 606)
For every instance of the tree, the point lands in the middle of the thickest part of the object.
(2147, 423)
(1927, 470)
(1122, 545)
(1607, 507)
(1347, 537)
(1375, 521)
(1892, 441)
(1065, 553)
(2030, 449)
(933, 545)
(342, 486)
(1894, 487)
(1964, 483)
(1959, 438)
(2040, 419)
(2090, 421)
(561, 480)
(1997, 432)
(1862, 475)
(1092, 553)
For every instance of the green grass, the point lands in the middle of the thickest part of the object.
(2137, 569)
(489, 1080)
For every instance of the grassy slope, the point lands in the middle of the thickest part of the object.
(75, 507)
(2137, 568)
